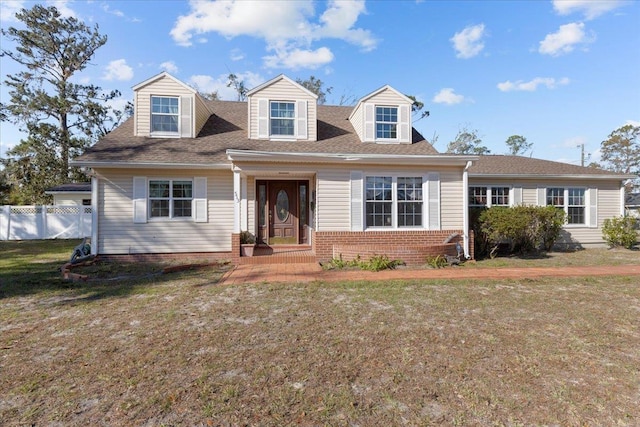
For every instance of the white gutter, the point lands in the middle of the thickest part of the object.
(146, 165)
(465, 208)
(436, 159)
(546, 176)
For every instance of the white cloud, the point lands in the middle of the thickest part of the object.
(62, 7)
(338, 21)
(590, 8)
(107, 8)
(447, 96)
(532, 85)
(118, 70)
(9, 8)
(632, 122)
(565, 39)
(297, 58)
(468, 42)
(169, 67)
(236, 55)
(290, 30)
(209, 84)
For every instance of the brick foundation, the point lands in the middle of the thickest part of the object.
(412, 247)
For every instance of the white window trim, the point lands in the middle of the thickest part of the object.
(157, 134)
(490, 194)
(171, 199)
(394, 201)
(294, 119)
(375, 123)
(566, 206)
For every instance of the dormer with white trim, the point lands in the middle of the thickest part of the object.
(383, 117)
(282, 110)
(165, 107)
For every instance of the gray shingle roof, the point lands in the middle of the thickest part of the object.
(71, 187)
(492, 165)
(227, 129)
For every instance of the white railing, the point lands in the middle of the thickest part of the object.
(45, 222)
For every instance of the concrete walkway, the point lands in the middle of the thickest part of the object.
(306, 273)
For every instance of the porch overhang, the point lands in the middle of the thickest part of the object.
(351, 158)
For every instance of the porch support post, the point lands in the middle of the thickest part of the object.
(465, 207)
(244, 220)
(236, 202)
(94, 215)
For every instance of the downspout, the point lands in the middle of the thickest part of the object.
(465, 208)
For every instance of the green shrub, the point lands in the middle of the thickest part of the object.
(437, 261)
(375, 263)
(620, 231)
(524, 228)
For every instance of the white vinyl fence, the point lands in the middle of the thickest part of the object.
(45, 222)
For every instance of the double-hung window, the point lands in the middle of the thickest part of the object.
(379, 201)
(571, 200)
(164, 114)
(386, 122)
(282, 117)
(393, 201)
(488, 196)
(170, 198)
(409, 201)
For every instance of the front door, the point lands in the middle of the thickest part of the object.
(282, 212)
(283, 215)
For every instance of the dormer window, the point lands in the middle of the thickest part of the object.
(164, 115)
(386, 122)
(282, 118)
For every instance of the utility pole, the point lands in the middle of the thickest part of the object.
(581, 154)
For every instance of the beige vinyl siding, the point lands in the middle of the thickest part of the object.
(202, 115)
(451, 200)
(333, 200)
(386, 97)
(283, 91)
(117, 234)
(142, 103)
(357, 121)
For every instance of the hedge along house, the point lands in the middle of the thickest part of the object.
(186, 176)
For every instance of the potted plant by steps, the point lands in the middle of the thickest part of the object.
(247, 243)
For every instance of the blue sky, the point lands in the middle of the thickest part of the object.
(561, 73)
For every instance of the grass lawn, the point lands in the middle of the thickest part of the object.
(179, 349)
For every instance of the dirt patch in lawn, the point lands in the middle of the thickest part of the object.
(183, 350)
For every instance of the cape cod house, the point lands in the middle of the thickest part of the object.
(186, 175)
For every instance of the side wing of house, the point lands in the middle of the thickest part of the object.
(164, 211)
(586, 202)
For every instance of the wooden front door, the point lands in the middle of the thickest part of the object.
(282, 212)
(283, 215)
